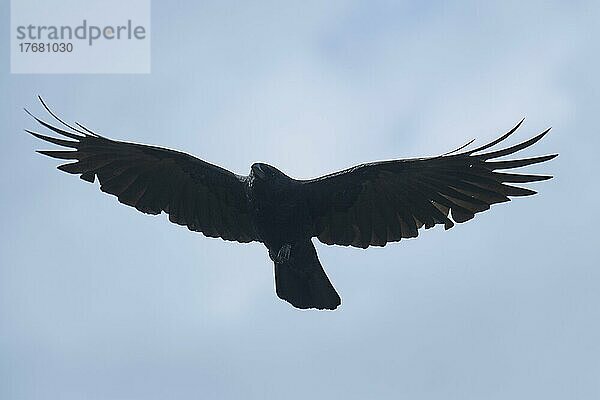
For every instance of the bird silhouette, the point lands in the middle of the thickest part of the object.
(370, 204)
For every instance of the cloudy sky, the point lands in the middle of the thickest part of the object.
(98, 301)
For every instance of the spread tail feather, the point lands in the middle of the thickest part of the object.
(302, 282)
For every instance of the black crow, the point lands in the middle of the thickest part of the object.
(367, 205)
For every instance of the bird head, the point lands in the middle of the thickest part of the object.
(266, 172)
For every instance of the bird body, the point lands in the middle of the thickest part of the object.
(370, 204)
(285, 227)
(276, 200)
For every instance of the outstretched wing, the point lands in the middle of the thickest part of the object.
(194, 193)
(376, 203)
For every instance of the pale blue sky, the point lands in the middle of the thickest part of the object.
(98, 301)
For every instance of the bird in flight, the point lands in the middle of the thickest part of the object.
(370, 204)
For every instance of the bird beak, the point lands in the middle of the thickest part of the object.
(258, 171)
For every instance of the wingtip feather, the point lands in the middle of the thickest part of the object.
(515, 148)
(500, 139)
